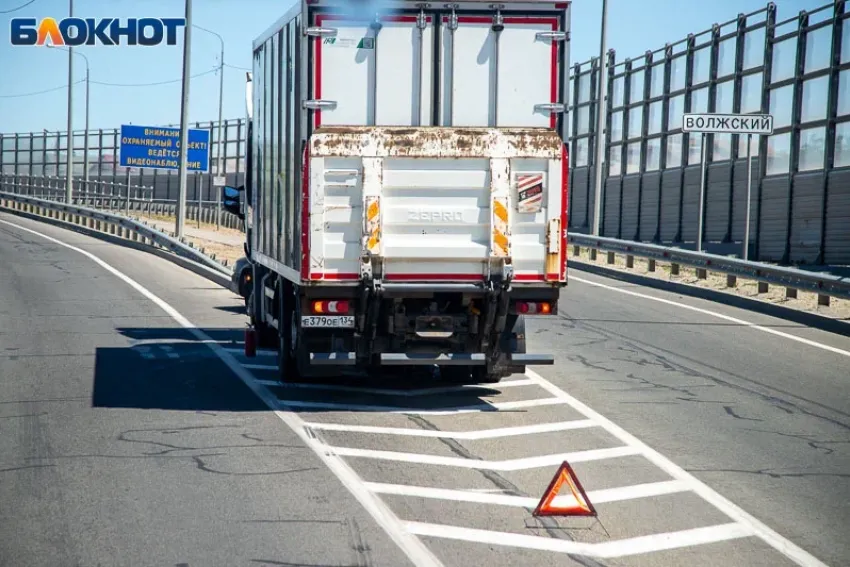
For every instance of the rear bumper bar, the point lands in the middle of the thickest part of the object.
(404, 359)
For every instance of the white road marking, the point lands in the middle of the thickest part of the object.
(261, 367)
(595, 496)
(410, 393)
(773, 539)
(735, 320)
(466, 435)
(268, 383)
(506, 465)
(242, 351)
(412, 546)
(472, 408)
(608, 549)
(403, 533)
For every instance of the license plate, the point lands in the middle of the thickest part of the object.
(328, 321)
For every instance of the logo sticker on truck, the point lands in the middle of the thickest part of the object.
(529, 193)
(363, 43)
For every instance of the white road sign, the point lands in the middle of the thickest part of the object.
(758, 124)
(219, 181)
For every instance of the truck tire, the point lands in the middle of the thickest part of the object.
(289, 356)
(516, 342)
(266, 336)
(513, 341)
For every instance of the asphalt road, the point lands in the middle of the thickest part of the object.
(124, 440)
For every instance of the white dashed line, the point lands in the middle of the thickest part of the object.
(596, 496)
(408, 393)
(473, 408)
(506, 465)
(465, 435)
(608, 549)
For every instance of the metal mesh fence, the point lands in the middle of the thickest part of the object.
(797, 69)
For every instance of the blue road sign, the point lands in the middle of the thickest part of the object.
(152, 147)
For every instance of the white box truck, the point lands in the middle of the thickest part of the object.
(406, 184)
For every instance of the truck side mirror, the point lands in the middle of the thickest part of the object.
(231, 200)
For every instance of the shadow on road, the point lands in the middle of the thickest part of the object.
(171, 369)
(238, 309)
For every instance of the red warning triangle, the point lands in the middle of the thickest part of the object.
(577, 504)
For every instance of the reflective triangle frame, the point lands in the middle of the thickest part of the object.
(565, 474)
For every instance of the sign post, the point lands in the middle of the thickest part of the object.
(219, 181)
(749, 124)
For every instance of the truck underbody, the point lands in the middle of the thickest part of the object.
(475, 333)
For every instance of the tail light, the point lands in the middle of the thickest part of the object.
(532, 308)
(327, 307)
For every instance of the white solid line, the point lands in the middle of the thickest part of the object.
(467, 435)
(506, 465)
(735, 320)
(412, 546)
(609, 549)
(242, 351)
(595, 496)
(260, 367)
(268, 383)
(410, 393)
(779, 543)
(473, 408)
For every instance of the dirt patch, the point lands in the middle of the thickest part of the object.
(838, 309)
(224, 244)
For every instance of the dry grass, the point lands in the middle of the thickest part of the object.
(805, 301)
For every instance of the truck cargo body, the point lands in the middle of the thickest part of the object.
(407, 196)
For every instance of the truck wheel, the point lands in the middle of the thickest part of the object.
(266, 336)
(289, 359)
(516, 343)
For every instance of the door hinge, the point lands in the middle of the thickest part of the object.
(553, 35)
(320, 32)
(551, 107)
(319, 104)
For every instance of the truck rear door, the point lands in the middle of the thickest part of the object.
(505, 79)
(366, 76)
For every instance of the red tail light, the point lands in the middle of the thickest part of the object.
(530, 308)
(326, 307)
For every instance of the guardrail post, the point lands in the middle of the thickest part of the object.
(593, 252)
(611, 257)
(763, 287)
(576, 249)
(701, 273)
(790, 293)
(731, 281)
(630, 261)
(674, 269)
(823, 300)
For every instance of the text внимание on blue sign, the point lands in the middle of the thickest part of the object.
(151, 147)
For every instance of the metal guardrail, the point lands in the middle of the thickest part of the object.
(793, 279)
(134, 229)
(113, 196)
